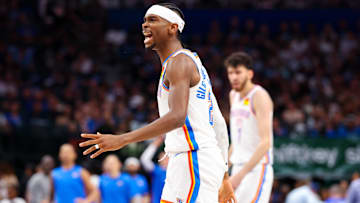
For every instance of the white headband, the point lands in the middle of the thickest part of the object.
(167, 14)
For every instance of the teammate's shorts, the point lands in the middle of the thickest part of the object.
(256, 185)
(194, 177)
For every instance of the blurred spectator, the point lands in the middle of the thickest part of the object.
(336, 195)
(132, 167)
(353, 194)
(39, 186)
(303, 193)
(115, 186)
(7, 179)
(28, 172)
(12, 196)
(70, 182)
(280, 191)
(157, 171)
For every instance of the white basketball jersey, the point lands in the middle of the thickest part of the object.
(244, 129)
(197, 132)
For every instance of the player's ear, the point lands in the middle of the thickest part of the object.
(251, 73)
(173, 29)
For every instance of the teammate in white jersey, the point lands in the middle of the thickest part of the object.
(251, 118)
(196, 134)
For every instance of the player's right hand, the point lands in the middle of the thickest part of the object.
(105, 142)
(226, 192)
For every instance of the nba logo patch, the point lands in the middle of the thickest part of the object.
(75, 174)
(119, 183)
(178, 200)
(246, 102)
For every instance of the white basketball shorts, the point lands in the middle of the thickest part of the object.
(194, 177)
(256, 185)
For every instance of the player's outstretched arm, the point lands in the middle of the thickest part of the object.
(264, 115)
(178, 74)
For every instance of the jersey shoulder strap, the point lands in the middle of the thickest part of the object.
(253, 91)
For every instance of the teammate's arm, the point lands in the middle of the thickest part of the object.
(148, 154)
(221, 131)
(93, 193)
(226, 193)
(178, 74)
(231, 98)
(263, 107)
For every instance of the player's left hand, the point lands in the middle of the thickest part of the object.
(104, 142)
(226, 192)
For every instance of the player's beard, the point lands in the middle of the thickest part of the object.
(242, 85)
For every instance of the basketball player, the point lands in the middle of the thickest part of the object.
(251, 132)
(196, 133)
(38, 188)
(115, 186)
(70, 182)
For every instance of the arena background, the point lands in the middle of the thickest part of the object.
(68, 67)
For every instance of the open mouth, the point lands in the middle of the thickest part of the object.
(148, 37)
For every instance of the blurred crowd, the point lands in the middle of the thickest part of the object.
(69, 182)
(64, 71)
(243, 4)
(140, 181)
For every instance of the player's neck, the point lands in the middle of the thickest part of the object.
(68, 165)
(114, 174)
(169, 48)
(248, 87)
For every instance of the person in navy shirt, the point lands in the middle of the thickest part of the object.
(132, 167)
(114, 186)
(70, 182)
(157, 171)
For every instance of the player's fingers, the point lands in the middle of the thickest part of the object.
(100, 151)
(89, 150)
(91, 136)
(89, 142)
(233, 199)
